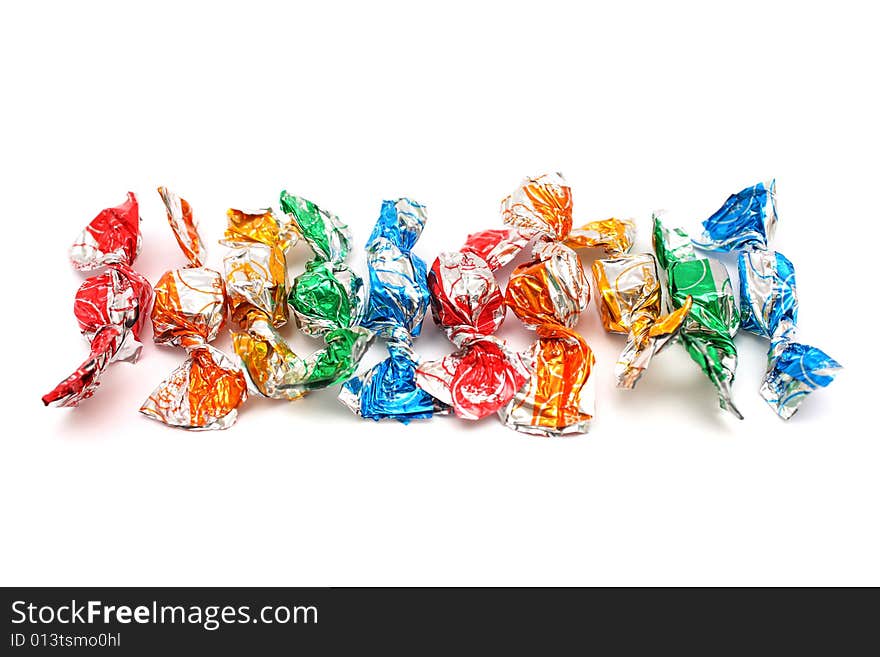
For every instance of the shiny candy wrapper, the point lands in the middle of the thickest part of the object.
(328, 298)
(768, 296)
(549, 294)
(708, 330)
(397, 305)
(482, 376)
(111, 307)
(632, 303)
(189, 311)
(255, 268)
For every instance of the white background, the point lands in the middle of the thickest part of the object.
(641, 106)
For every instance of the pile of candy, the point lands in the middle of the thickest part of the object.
(675, 294)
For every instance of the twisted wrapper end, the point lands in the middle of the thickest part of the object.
(112, 237)
(345, 347)
(83, 382)
(476, 381)
(793, 373)
(671, 245)
(558, 397)
(327, 236)
(184, 226)
(269, 363)
(615, 236)
(747, 220)
(388, 390)
(540, 206)
(647, 336)
(201, 394)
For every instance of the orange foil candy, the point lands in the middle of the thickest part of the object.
(632, 303)
(189, 311)
(549, 294)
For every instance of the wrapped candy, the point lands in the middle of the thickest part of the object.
(468, 304)
(632, 303)
(111, 307)
(768, 296)
(207, 389)
(255, 268)
(549, 294)
(708, 330)
(397, 305)
(328, 298)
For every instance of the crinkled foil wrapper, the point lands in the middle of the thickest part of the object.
(632, 303)
(483, 374)
(549, 294)
(255, 268)
(398, 302)
(768, 296)
(190, 308)
(111, 307)
(328, 298)
(708, 330)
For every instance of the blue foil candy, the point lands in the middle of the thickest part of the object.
(398, 303)
(768, 296)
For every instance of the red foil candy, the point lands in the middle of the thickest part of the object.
(111, 307)
(467, 302)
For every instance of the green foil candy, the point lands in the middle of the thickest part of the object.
(328, 298)
(708, 331)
